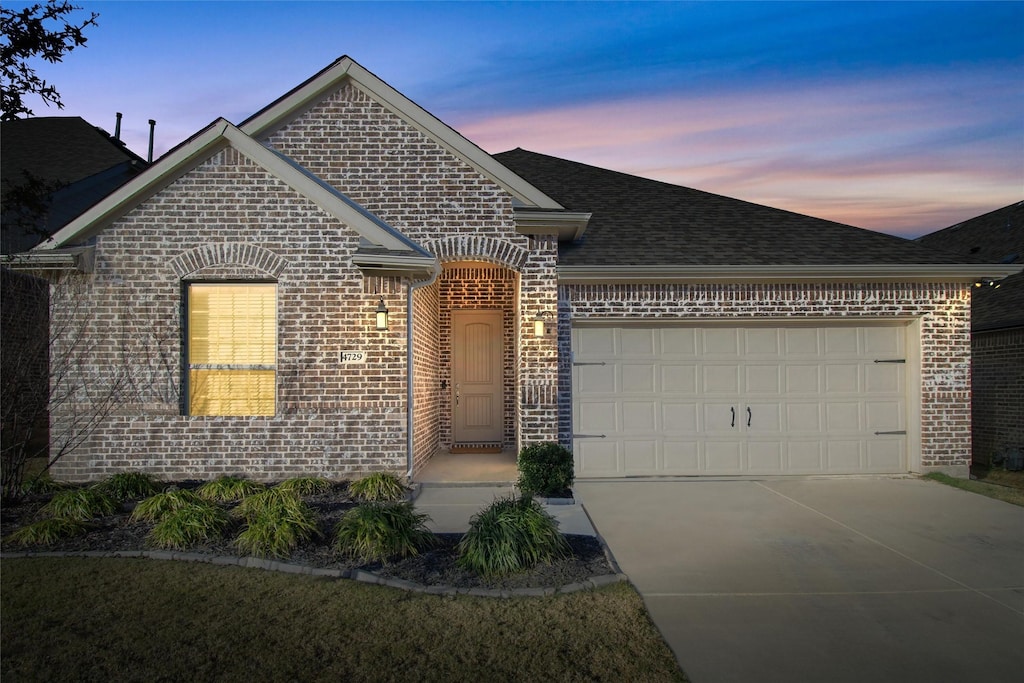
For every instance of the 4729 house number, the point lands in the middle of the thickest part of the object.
(353, 357)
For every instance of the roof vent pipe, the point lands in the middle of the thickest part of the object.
(117, 128)
(152, 128)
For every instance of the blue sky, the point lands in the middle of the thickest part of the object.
(899, 117)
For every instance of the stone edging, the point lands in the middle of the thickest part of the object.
(352, 574)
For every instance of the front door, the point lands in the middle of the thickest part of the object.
(477, 392)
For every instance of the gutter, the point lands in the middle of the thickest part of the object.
(434, 273)
(733, 274)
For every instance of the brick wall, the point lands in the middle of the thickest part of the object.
(229, 220)
(943, 310)
(426, 383)
(997, 378)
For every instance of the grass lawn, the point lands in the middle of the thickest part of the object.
(1008, 490)
(92, 619)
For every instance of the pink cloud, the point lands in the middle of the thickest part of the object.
(905, 157)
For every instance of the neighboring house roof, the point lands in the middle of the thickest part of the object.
(70, 163)
(994, 237)
(641, 225)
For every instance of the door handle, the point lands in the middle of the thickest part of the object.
(457, 393)
(732, 409)
(749, 415)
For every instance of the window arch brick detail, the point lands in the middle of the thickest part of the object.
(233, 253)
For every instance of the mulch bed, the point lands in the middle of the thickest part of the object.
(434, 567)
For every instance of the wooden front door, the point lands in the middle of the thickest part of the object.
(477, 392)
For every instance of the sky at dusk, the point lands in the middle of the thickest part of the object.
(899, 117)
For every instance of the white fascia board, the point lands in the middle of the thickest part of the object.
(570, 225)
(329, 79)
(170, 167)
(750, 274)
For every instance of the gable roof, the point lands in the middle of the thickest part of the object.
(995, 237)
(385, 245)
(646, 229)
(53, 168)
(345, 69)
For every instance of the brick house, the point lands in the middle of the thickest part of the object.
(997, 329)
(343, 283)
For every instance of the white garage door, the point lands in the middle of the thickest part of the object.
(739, 400)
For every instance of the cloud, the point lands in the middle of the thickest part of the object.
(898, 154)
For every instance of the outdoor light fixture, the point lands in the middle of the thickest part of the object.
(382, 315)
(539, 325)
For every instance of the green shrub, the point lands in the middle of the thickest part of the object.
(228, 489)
(189, 525)
(305, 486)
(155, 508)
(379, 487)
(267, 499)
(545, 469)
(44, 484)
(277, 521)
(129, 485)
(47, 531)
(80, 504)
(383, 531)
(510, 535)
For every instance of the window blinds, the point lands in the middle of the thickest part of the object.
(232, 348)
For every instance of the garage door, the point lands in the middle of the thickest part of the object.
(739, 400)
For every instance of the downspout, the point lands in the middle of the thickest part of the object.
(409, 364)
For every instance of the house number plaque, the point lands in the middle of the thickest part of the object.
(353, 357)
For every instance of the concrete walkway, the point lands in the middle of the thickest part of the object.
(827, 580)
(451, 506)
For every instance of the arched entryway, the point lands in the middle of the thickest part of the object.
(477, 325)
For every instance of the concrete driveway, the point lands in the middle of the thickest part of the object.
(823, 579)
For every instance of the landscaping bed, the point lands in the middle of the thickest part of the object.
(432, 567)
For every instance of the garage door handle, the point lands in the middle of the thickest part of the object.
(898, 431)
(588, 436)
(732, 409)
(749, 415)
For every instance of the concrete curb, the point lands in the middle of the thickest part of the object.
(360, 575)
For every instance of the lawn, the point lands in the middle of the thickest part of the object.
(1010, 486)
(92, 619)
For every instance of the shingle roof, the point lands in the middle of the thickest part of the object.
(994, 237)
(77, 164)
(58, 148)
(637, 221)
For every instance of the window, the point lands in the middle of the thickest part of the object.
(232, 348)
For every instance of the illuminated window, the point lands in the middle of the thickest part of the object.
(232, 348)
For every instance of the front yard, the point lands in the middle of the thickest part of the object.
(92, 619)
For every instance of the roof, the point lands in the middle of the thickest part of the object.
(995, 237)
(59, 148)
(53, 168)
(637, 222)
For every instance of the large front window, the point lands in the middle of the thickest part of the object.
(232, 348)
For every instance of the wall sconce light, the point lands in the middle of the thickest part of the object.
(382, 315)
(539, 324)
